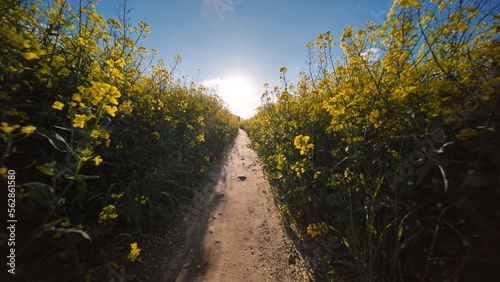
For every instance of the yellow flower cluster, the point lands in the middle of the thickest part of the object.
(117, 195)
(142, 200)
(302, 142)
(298, 168)
(108, 212)
(27, 129)
(466, 133)
(81, 120)
(347, 174)
(58, 105)
(98, 94)
(318, 229)
(134, 252)
(200, 137)
(126, 107)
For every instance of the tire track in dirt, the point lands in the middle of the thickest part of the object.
(232, 231)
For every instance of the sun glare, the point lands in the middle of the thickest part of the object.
(237, 87)
(238, 94)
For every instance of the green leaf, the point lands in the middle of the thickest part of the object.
(54, 222)
(362, 179)
(331, 199)
(70, 231)
(81, 186)
(55, 139)
(81, 177)
(47, 168)
(400, 231)
(346, 242)
(41, 192)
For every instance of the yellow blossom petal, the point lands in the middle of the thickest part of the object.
(58, 105)
(97, 160)
(29, 55)
(29, 129)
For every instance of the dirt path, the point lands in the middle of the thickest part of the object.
(232, 231)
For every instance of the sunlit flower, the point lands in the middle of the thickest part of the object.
(442, 6)
(81, 120)
(301, 142)
(30, 55)
(110, 110)
(80, 41)
(126, 107)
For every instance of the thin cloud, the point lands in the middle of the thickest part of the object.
(214, 82)
(373, 54)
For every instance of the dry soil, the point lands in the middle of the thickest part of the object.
(231, 231)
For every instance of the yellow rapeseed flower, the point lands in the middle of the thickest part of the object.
(80, 41)
(347, 174)
(58, 105)
(134, 252)
(66, 223)
(301, 142)
(201, 137)
(80, 120)
(126, 107)
(77, 97)
(442, 6)
(317, 229)
(29, 129)
(97, 160)
(117, 195)
(317, 174)
(465, 133)
(29, 55)
(107, 212)
(110, 110)
(7, 128)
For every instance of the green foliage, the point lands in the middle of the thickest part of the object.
(391, 153)
(103, 150)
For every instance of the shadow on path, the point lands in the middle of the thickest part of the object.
(181, 249)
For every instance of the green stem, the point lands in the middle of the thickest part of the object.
(434, 239)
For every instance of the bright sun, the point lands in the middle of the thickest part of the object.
(237, 87)
(237, 92)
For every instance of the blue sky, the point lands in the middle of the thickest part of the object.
(238, 45)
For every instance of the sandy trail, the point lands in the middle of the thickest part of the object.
(232, 231)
